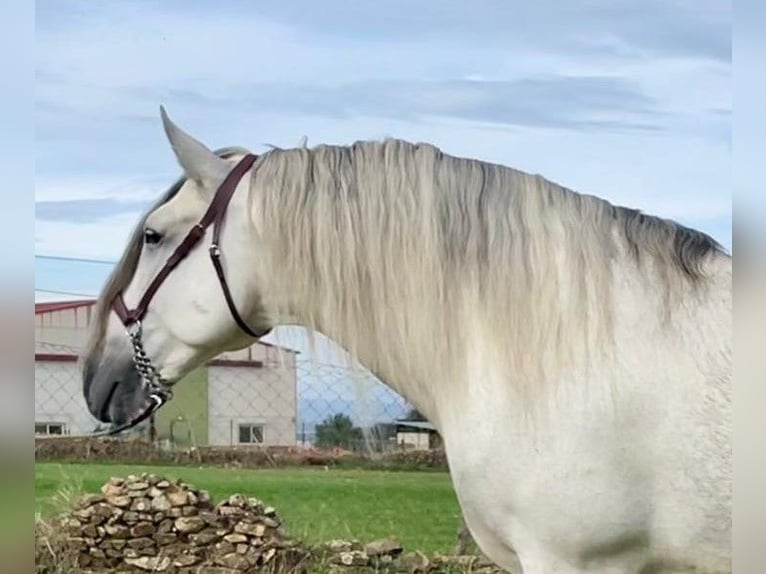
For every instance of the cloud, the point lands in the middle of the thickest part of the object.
(627, 100)
(86, 210)
(596, 102)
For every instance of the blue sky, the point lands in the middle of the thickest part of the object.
(627, 100)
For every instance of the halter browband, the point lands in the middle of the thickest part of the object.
(159, 390)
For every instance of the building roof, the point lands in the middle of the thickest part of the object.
(421, 425)
(53, 306)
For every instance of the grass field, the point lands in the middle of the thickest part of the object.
(316, 505)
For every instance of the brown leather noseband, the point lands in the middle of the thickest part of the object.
(159, 389)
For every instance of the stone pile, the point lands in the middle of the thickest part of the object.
(147, 523)
(387, 555)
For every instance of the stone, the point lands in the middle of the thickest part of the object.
(224, 547)
(150, 563)
(160, 503)
(270, 511)
(174, 512)
(163, 539)
(90, 531)
(102, 510)
(177, 497)
(205, 537)
(83, 514)
(236, 561)
(162, 484)
(117, 530)
(210, 518)
(96, 552)
(389, 546)
(235, 538)
(137, 543)
(141, 505)
(414, 562)
(154, 492)
(112, 489)
(165, 526)
(270, 522)
(188, 511)
(230, 511)
(130, 517)
(336, 546)
(257, 530)
(139, 485)
(241, 548)
(89, 500)
(189, 524)
(351, 558)
(186, 560)
(143, 529)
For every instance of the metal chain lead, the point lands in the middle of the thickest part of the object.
(159, 389)
(144, 366)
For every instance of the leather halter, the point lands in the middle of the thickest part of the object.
(214, 216)
(159, 390)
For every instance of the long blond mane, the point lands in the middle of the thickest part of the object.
(397, 251)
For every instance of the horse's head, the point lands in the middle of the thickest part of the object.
(164, 310)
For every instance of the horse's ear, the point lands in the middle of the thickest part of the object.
(198, 162)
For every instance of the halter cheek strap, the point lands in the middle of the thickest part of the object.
(159, 389)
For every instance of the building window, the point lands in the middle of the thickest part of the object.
(50, 429)
(250, 434)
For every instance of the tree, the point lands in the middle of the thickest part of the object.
(337, 430)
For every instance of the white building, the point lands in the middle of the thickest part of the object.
(245, 397)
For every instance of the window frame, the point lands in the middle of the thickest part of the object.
(251, 426)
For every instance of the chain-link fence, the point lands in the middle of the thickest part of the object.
(285, 401)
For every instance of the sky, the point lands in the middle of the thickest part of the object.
(627, 100)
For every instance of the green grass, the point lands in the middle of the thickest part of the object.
(419, 508)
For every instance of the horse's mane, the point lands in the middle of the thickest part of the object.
(391, 242)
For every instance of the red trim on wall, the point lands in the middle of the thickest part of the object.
(70, 358)
(235, 363)
(53, 306)
(56, 357)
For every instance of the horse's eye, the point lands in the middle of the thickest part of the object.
(151, 237)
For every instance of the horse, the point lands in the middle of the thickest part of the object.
(574, 355)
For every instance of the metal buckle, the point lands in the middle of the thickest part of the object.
(134, 329)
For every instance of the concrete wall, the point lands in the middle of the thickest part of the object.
(417, 440)
(243, 395)
(58, 396)
(184, 420)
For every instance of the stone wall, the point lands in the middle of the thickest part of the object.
(68, 449)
